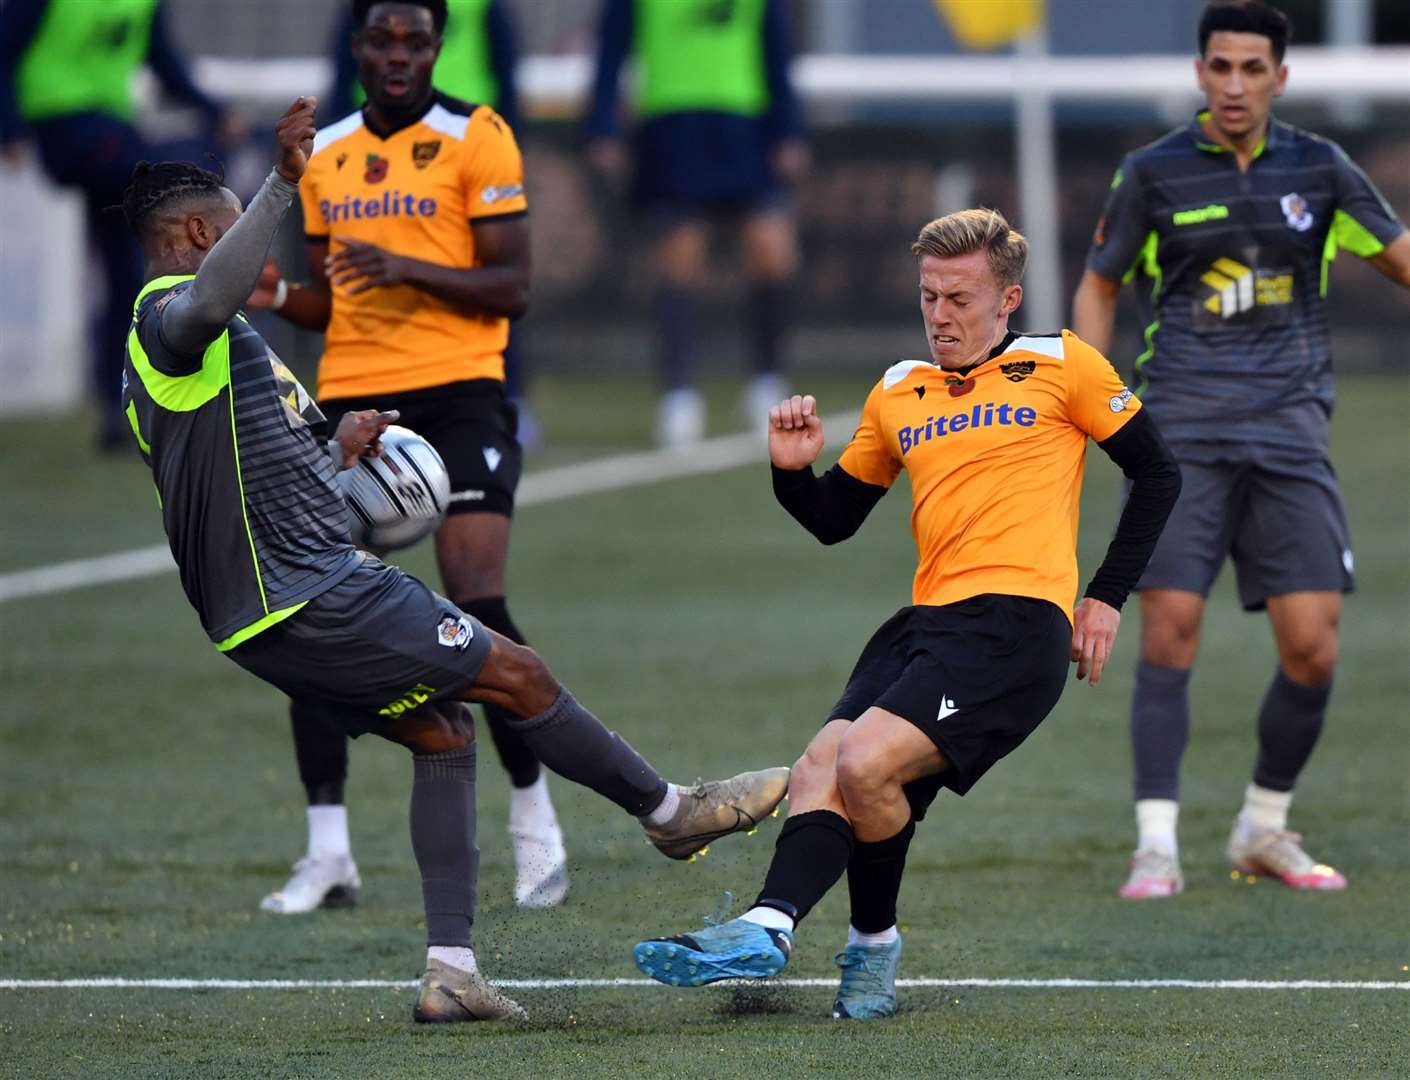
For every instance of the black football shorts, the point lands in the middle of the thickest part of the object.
(977, 676)
(474, 428)
(379, 642)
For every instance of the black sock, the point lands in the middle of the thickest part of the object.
(575, 744)
(813, 850)
(514, 753)
(1160, 728)
(674, 309)
(1289, 722)
(874, 880)
(443, 838)
(321, 749)
(770, 314)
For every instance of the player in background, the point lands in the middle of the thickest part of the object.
(993, 434)
(719, 139)
(258, 530)
(479, 54)
(418, 249)
(1230, 225)
(66, 72)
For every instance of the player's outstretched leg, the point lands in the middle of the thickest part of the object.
(867, 989)
(572, 742)
(737, 949)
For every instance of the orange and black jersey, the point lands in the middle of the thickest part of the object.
(995, 455)
(416, 191)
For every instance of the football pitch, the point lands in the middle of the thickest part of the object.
(148, 799)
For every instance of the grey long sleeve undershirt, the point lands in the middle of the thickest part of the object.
(196, 316)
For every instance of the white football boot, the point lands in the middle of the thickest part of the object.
(329, 881)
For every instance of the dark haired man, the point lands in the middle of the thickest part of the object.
(415, 207)
(258, 530)
(1231, 223)
(993, 435)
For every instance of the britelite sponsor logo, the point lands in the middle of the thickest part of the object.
(988, 415)
(393, 203)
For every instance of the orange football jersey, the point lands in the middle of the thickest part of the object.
(417, 193)
(995, 462)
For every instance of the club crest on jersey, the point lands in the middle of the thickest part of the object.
(1295, 209)
(423, 153)
(958, 387)
(1018, 370)
(455, 633)
(376, 170)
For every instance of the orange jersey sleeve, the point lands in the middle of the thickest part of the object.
(493, 168)
(1098, 402)
(869, 456)
(314, 227)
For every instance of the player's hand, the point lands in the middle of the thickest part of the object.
(1094, 626)
(795, 432)
(359, 433)
(294, 136)
(369, 266)
(262, 299)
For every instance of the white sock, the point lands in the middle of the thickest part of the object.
(883, 937)
(457, 956)
(767, 916)
(1265, 809)
(328, 832)
(530, 808)
(667, 810)
(1155, 824)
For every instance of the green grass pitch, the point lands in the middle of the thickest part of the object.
(148, 799)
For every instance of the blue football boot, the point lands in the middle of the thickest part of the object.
(868, 987)
(732, 950)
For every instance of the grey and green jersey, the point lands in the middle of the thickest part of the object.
(1231, 271)
(252, 512)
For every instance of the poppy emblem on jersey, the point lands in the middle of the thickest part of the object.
(1295, 209)
(455, 633)
(423, 153)
(376, 169)
(341, 159)
(1019, 370)
(958, 387)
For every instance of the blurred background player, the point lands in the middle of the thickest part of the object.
(66, 72)
(418, 247)
(479, 53)
(958, 680)
(718, 138)
(1231, 222)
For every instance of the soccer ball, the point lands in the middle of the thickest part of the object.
(397, 497)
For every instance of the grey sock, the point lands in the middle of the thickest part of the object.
(574, 744)
(1160, 728)
(443, 838)
(1289, 722)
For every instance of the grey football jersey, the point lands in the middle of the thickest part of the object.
(248, 499)
(1231, 276)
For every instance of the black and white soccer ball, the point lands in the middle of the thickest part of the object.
(397, 497)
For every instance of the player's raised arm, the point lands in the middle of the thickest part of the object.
(831, 507)
(227, 248)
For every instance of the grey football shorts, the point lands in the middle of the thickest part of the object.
(1280, 519)
(379, 641)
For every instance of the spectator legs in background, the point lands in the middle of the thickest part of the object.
(770, 241)
(680, 262)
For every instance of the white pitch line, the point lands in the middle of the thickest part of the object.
(592, 477)
(613, 984)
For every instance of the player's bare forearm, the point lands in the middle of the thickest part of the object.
(480, 290)
(309, 305)
(1094, 310)
(1394, 260)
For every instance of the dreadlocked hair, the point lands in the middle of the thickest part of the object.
(153, 186)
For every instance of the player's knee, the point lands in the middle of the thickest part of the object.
(532, 684)
(813, 772)
(1311, 662)
(1170, 640)
(864, 774)
(435, 729)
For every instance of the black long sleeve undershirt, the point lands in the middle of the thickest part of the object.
(833, 506)
(1142, 455)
